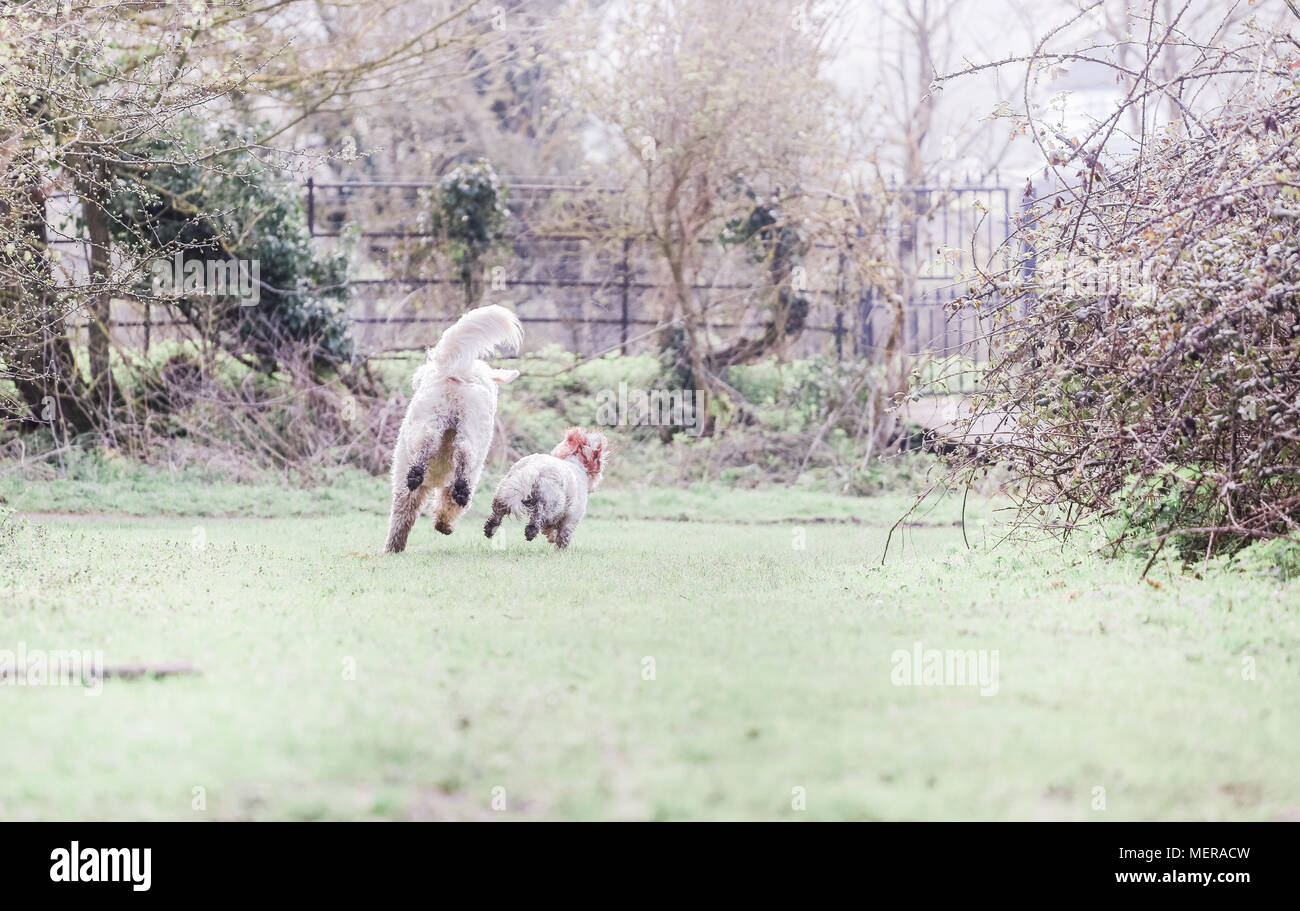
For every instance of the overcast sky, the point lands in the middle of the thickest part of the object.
(872, 45)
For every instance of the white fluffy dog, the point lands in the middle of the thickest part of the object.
(447, 430)
(550, 491)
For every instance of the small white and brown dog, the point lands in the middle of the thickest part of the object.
(550, 491)
(445, 436)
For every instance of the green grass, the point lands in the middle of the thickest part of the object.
(121, 487)
(519, 668)
(97, 486)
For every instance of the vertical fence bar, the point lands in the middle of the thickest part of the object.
(627, 287)
(914, 335)
(934, 332)
(311, 206)
(1006, 216)
(866, 331)
(840, 293)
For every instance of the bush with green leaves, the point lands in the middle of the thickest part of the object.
(1277, 557)
(469, 216)
(236, 209)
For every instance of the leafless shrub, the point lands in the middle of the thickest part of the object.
(1148, 339)
(291, 423)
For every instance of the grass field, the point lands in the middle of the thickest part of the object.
(734, 665)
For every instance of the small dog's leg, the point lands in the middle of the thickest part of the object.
(534, 521)
(499, 511)
(563, 535)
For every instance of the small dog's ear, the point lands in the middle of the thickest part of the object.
(504, 376)
(595, 456)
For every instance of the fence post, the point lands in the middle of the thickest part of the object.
(311, 207)
(627, 285)
(840, 294)
(866, 324)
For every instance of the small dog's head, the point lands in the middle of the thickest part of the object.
(591, 448)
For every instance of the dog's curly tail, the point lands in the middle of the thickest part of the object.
(476, 334)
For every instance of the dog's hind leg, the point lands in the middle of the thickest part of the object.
(413, 480)
(545, 508)
(534, 521)
(563, 535)
(406, 509)
(466, 466)
(453, 499)
(499, 511)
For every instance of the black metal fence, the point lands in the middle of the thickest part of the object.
(591, 295)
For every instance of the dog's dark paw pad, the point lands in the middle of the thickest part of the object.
(415, 477)
(460, 492)
(443, 526)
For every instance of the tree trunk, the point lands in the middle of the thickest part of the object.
(91, 186)
(39, 355)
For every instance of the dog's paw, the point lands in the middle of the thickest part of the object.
(460, 492)
(443, 526)
(530, 531)
(415, 477)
